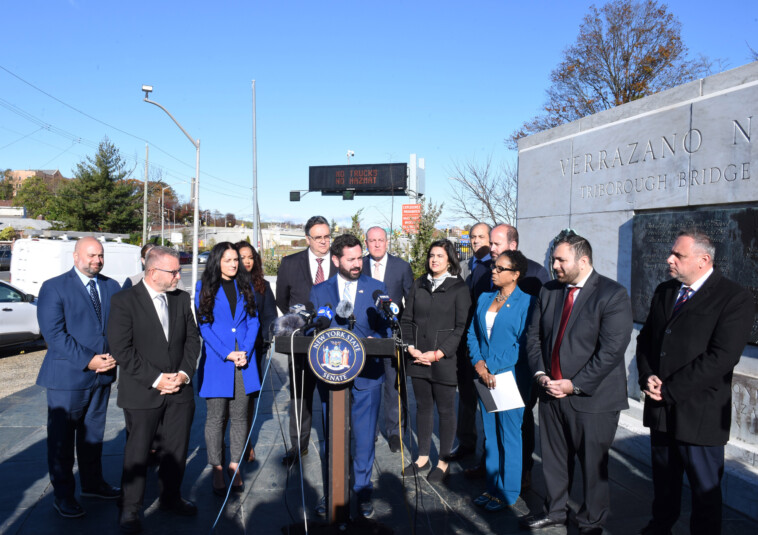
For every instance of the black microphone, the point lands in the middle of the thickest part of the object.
(384, 303)
(305, 311)
(322, 320)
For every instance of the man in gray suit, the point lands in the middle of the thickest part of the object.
(397, 276)
(580, 328)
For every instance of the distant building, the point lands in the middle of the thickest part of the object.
(8, 210)
(19, 176)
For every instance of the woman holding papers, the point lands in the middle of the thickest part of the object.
(496, 342)
(433, 323)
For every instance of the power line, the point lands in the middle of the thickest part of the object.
(139, 138)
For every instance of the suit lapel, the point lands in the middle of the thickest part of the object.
(143, 298)
(84, 294)
(589, 288)
(105, 299)
(700, 296)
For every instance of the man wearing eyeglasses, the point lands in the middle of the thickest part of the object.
(297, 274)
(154, 338)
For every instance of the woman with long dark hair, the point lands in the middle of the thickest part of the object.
(228, 321)
(433, 322)
(265, 303)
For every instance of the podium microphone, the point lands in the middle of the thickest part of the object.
(323, 318)
(384, 303)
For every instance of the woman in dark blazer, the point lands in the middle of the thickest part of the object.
(228, 321)
(496, 342)
(433, 322)
(265, 303)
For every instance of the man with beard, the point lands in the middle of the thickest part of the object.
(580, 328)
(77, 371)
(366, 392)
(156, 343)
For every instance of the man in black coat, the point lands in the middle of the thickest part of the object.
(697, 327)
(155, 341)
(297, 274)
(397, 277)
(580, 328)
(477, 274)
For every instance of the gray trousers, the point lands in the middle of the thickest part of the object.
(219, 412)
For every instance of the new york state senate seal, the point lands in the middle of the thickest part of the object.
(336, 356)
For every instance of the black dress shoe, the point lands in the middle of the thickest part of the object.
(413, 467)
(180, 506)
(437, 475)
(68, 507)
(366, 509)
(394, 442)
(104, 491)
(129, 522)
(290, 457)
(539, 522)
(459, 453)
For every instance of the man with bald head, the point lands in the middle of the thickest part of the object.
(78, 370)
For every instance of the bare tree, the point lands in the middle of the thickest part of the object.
(483, 193)
(625, 50)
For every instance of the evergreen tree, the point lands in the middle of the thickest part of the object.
(99, 198)
(424, 236)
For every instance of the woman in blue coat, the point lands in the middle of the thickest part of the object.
(227, 317)
(496, 342)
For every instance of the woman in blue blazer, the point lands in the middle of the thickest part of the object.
(228, 321)
(496, 342)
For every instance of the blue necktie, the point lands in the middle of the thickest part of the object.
(95, 300)
(681, 300)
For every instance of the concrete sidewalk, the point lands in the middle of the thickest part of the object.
(273, 500)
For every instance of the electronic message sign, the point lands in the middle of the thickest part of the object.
(368, 179)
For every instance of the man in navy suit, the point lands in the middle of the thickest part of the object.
(351, 285)
(397, 276)
(77, 371)
(297, 274)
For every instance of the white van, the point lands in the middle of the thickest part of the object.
(36, 260)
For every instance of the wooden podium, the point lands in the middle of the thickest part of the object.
(338, 484)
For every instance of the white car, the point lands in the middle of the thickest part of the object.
(202, 258)
(18, 316)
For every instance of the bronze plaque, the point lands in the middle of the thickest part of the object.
(734, 231)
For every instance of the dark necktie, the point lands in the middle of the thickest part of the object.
(686, 294)
(95, 300)
(555, 359)
(319, 272)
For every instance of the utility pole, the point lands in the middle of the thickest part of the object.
(144, 202)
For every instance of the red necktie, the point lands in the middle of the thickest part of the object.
(555, 359)
(319, 272)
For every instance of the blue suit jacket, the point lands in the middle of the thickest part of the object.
(398, 277)
(69, 324)
(368, 321)
(215, 373)
(505, 349)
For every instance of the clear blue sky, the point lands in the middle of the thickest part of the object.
(447, 80)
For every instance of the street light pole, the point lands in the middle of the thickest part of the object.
(196, 194)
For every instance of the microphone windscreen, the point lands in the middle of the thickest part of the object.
(344, 308)
(322, 322)
(287, 324)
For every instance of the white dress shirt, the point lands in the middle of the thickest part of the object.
(325, 265)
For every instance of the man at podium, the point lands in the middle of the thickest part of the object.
(356, 312)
